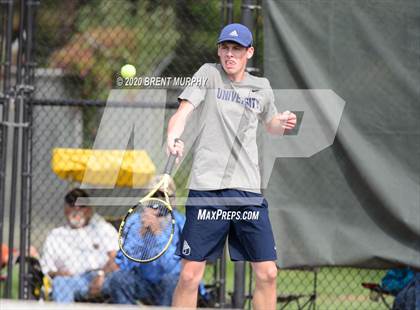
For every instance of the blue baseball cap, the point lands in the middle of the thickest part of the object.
(236, 33)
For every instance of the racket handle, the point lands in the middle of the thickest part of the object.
(170, 164)
(171, 161)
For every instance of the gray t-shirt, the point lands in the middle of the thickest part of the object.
(225, 121)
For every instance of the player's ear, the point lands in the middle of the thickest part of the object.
(249, 52)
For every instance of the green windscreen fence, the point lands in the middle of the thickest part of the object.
(344, 189)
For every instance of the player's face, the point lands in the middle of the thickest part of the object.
(233, 58)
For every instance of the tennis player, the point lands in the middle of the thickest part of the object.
(225, 197)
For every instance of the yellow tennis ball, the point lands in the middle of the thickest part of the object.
(128, 71)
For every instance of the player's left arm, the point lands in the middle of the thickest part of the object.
(281, 122)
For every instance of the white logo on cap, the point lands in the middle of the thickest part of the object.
(233, 33)
(186, 250)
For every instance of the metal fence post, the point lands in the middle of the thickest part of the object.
(25, 86)
(7, 92)
(227, 12)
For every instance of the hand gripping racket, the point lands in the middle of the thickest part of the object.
(147, 229)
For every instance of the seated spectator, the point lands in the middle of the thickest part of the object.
(396, 279)
(35, 280)
(79, 255)
(3, 260)
(153, 282)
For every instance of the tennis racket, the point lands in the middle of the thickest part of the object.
(148, 227)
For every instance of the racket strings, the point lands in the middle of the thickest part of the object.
(147, 230)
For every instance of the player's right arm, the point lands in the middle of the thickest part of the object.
(176, 127)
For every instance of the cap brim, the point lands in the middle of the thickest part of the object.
(232, 40)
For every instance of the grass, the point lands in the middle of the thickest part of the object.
(15, 282)
(337, 288)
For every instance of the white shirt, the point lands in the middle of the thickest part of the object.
(79, 250)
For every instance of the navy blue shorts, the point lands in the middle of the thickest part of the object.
(212, 216)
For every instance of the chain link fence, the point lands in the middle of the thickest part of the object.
(79, 49)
